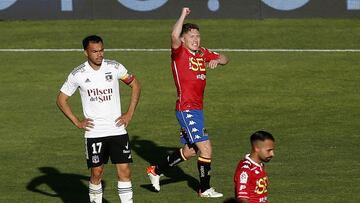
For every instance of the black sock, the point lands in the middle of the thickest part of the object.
(171, 160)
(204, 167)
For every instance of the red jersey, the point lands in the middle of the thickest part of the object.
(251, 181)
(189, 71)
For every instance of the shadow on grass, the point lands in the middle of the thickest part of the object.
(68, 187)
(151, 153)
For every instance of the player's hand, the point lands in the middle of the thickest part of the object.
(124, 120)
(85, 124)
(186, 11)
(213, 63)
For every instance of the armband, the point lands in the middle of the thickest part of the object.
(128, 78)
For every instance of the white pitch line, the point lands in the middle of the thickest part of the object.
(288, 50)
(167, 50)
(38, 50)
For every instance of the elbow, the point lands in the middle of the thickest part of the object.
(135, 85)
(224, 60)
(174, 38)
(58, 103)
(60, 100)
(175, 34)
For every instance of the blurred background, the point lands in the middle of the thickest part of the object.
(164, 9)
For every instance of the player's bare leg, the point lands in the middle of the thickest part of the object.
(204, 167)
(189, 152)
(124, 183)
(95, 187)
(205, 149)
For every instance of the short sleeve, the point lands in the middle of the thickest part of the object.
(70, 85)
(242, 180)
(210, 55)
(175, 52)
(121, 71)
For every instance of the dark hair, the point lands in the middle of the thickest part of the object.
(91, 38)
(187, 27)
(262, 136)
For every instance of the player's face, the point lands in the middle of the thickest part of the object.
(265, 150)
(95, 53)
(191, 39)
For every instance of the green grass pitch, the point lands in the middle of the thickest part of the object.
(308, 100)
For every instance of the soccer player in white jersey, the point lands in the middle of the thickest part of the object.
(104, 123)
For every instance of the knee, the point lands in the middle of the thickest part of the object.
(123, 172)
(96, 175)
(205, 150)
(126, 172)
(188, 153)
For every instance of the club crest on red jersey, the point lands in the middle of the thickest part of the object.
(200, 53)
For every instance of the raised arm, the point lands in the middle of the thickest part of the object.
(175, 35)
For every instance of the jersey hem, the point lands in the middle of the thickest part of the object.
(106, 135)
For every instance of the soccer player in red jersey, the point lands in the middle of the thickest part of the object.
(189, 62)
(251, 180)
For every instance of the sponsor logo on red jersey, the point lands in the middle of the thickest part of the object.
(251, 181)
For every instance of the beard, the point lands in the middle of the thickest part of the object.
(266, 159)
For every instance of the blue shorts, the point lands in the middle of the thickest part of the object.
(192, 126)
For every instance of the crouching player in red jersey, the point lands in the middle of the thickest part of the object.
(250, 178)
(189, 62)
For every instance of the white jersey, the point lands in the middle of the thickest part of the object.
(100, 96)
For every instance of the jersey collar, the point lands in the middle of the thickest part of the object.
(87, 65)
(247, 156)
(194, 53)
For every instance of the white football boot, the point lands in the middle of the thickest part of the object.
(154, 178)
(210, 193)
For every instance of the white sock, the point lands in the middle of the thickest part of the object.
(125, 192)
(95, 193)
